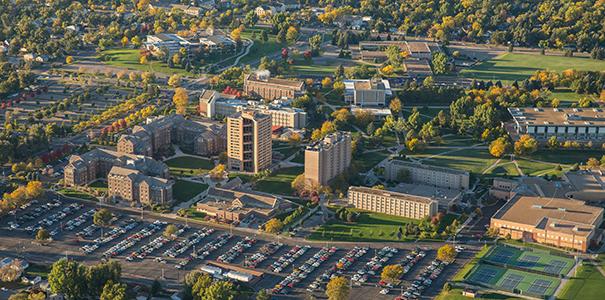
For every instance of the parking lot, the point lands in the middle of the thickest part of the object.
(293, 269)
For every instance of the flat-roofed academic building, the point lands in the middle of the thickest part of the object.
(428, 174)
(392, 203)
(581, 124)
(559, 222)
(264, 86)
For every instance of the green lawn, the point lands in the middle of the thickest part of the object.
(185, 190)
(260, 48)
(299, 158)
(38, 270)
(76, 194)
(279, 182)
(456, 294)
(512, 66)
(589, 283)
(367, 161)
(99, 185)
(472, 160)
(568, 157)
(189, 165)
(129, 58)
(369, 227)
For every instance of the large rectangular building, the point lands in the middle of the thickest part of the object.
(427, 174)
(214, 104)
(328, 158)
(133, 186)
(249, 145)
(367, 92)
(392, 203)
(579, 124)
(564, 223)
(262, 85)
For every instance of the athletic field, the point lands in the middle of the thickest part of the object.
(515, 281)
(531, 259)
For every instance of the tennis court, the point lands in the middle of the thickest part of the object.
(531, 259)
(513, 280)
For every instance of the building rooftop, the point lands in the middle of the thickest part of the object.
(289, 83)
(552, 214)
(328, 140)
(428, 167)
(558, 116)
(391, 194)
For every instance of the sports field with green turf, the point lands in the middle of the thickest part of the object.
(587, 283)
(514, 66)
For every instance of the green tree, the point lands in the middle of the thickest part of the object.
(315, 43)
(97, 275)
(42, 235)
(114, 291)
(220, 290)
(102, 217)
(263, 295)
(170, 230)
(68, 278)
(439, 63)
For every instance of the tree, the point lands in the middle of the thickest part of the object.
(12, 271)
(439, 63)
(274, 225)
(264, 36)
(69, 60)
(292, 35)
(124, 41)
(136, 41)
(97, 275)
(315, 44)
(391, 273)
(67, 277)
(395, 106)
(174, 80)
(170, 230)
(114, 291)
(326, 82)
(34, 189)
(156, 287)
(217, 172)
(338, 288)
(263, 295)
(393, 55)
(36, 296)
(133, 76)
(220, 290)
(526, 145)
(148, 77)
(553, 142)
(143, 60)
(593, 163)
(446, 253)
(102, 217)
(42, 235)
(498, 147)
(180, 100)
(236, 34)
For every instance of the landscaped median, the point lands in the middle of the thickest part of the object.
(368, 226)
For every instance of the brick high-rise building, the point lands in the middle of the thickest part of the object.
(328, 158)
(249, 142)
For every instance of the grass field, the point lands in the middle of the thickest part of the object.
(589, 283)
(260, 48)
(129, 58)
(456, 294)
(185, 190)
(499, 277)
(76, 194)
(512, 66)
(99, 185)
(370, 227)
(189, 165)
(368, 160)
(279, 182)
(537, 260)
(472, 160)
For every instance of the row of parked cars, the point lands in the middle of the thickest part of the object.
(302, 272)
(113, 234)
(34, 214)
(287, 259)
(155, 244)
(130, 241)
(72, 224)
(236, 250)
(182, 246)
(408, 262)
(426, 278)
(206, 250)
(374, 266)
(339, 267)
(263, 253)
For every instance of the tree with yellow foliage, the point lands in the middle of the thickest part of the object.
(180, 100)
(526, 145)
(69, 60)
(446, 253)
(34, 189)
(142, 5)
(274, 225)
(217, 172)
(236, 34)
(338, 288)
(387, 70)
(395, 106)
(143, 60)
(174, 80)
(124, 41)
(498, 147)
(326, 82)
(391, 273)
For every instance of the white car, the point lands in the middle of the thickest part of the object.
(384, 291)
